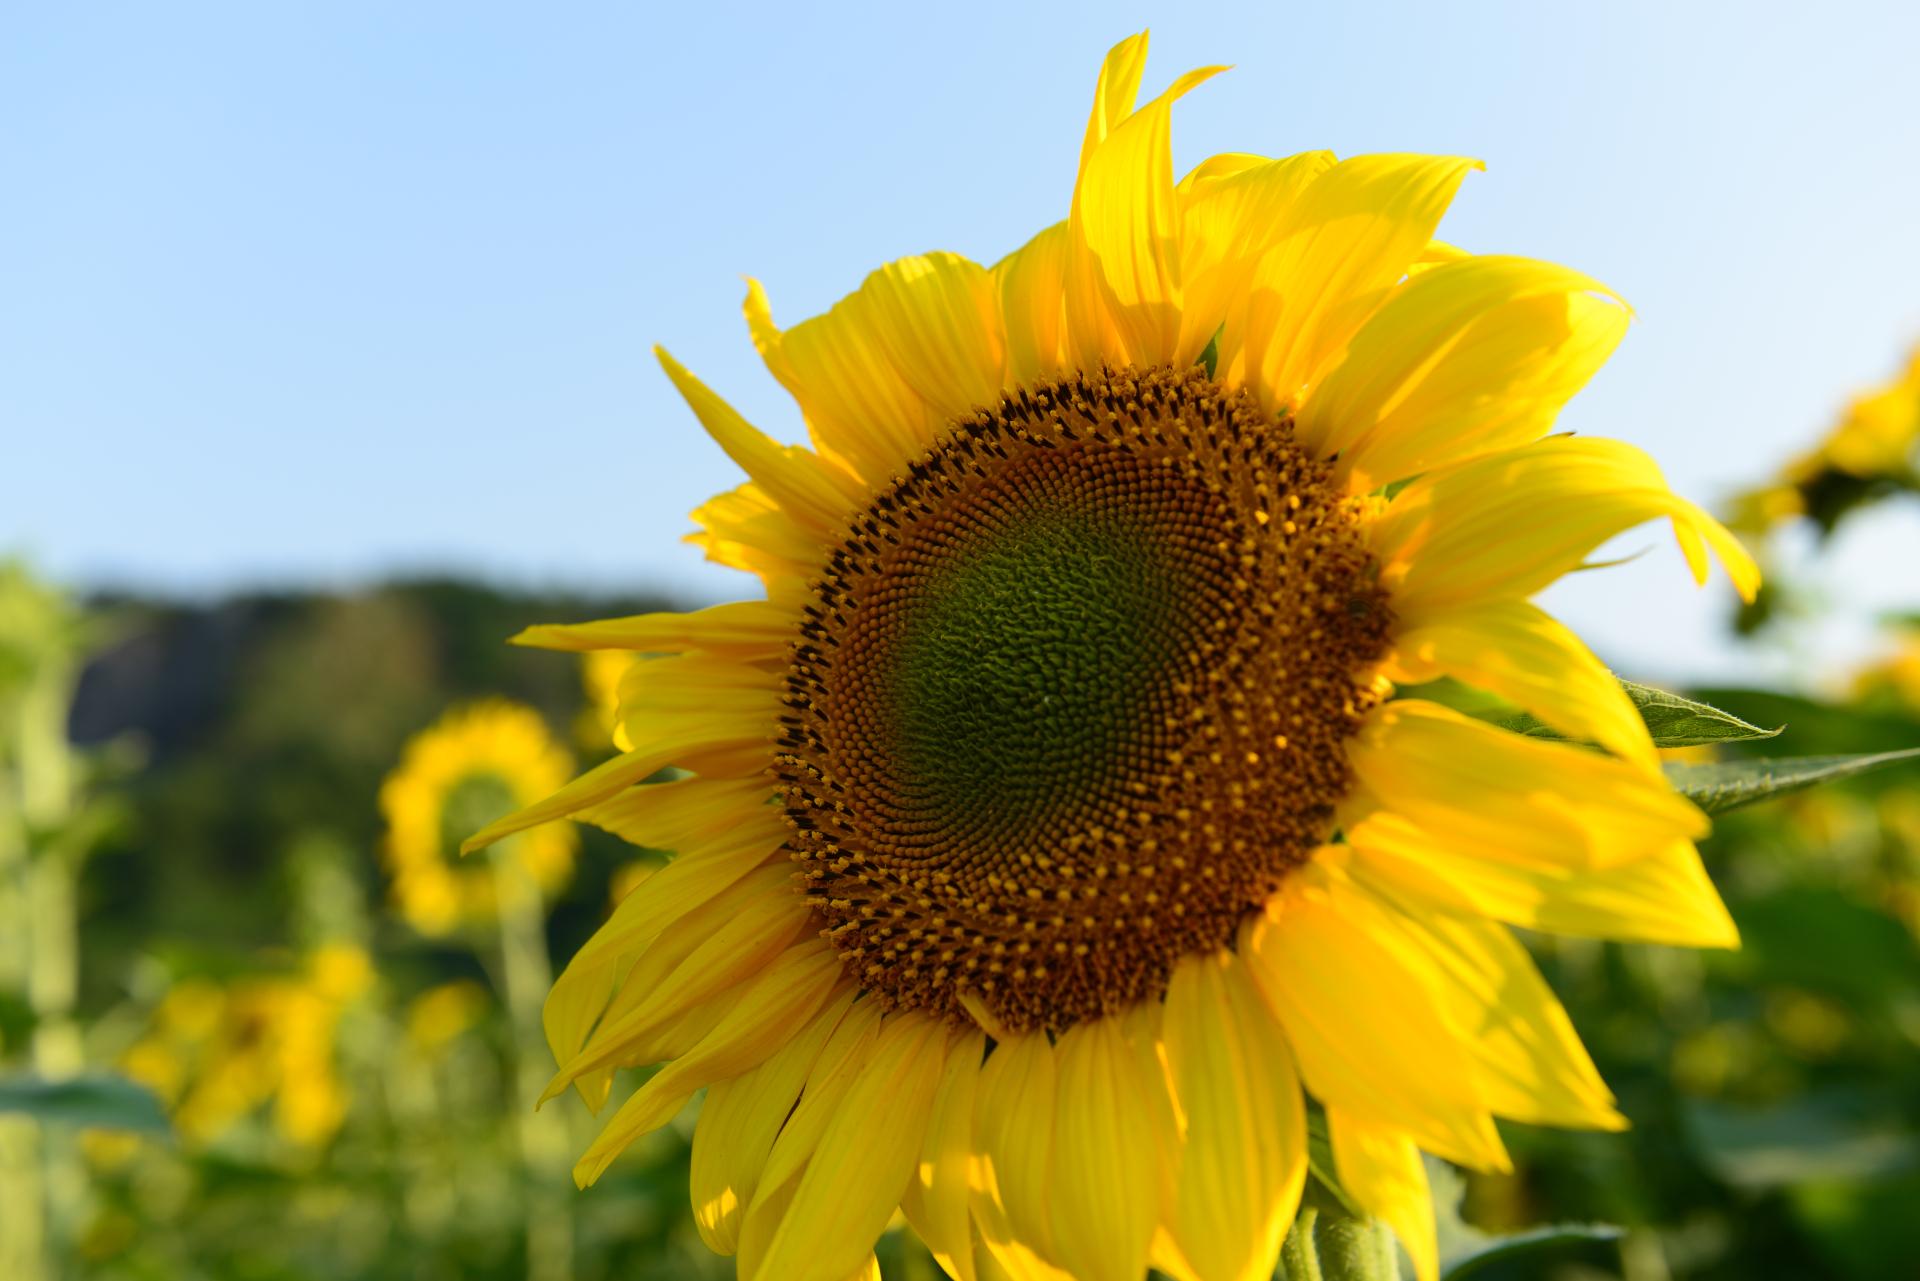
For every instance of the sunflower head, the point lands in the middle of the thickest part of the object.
(1051, 725)
(474, 764)
(1056, 817)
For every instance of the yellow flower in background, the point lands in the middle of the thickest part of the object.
(474, 764)
(440, 1014)
(216, 1054)
(1098, 836)
(601, 671)
(1875, 447)
(1895, 676)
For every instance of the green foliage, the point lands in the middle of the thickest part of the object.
(1719, 786)
(101, 1102)
(1672, 720)
(1468, 1251)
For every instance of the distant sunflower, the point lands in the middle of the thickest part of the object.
(474, 764)
(1094, 831)
(215, 1054)
(1872, 452)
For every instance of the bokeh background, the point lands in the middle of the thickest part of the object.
(324, 368)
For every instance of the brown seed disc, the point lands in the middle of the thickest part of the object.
(1071, 698)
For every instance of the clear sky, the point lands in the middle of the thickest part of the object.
(312, 293)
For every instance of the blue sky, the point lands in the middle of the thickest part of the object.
(319, 292)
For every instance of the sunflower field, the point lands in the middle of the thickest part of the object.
(1135, 819)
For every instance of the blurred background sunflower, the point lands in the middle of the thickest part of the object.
(478, 762)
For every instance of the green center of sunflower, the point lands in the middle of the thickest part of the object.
(1071, 700)
(1031, 626)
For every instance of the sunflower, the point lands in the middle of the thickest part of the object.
(475, 763)
(1873, 451)
(217, 1054)
(1051, 829)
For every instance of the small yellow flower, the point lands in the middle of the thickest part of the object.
(218, 1054)
(476, 763)
(442, 1013)
(1897, 675)
(1082, 617)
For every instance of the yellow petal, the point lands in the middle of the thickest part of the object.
(1353, 998)
(1381, 1169)
(1232, 213)
(1474, 355)
(1030, 285)
(1011, 1178)
(744, 629)
(688, 812)
(687, 710)
(699, 699)
(698, 880)
(739, 1122)
(1474, 785)
(861, 412)
(744, 528)
(1514, 650)
(1246, 1154)
(853, 1181)
(1510, 523)
(1106, 1187)
(940, 324)
(1348, 237)
(841, 1060)
(1115, 93)
(1123, 241)
(1532, 1065)
(1223, 165)
(1662, 898)
(596, 785)
(777, 1005)
(808, 488)
(935, 1201)
(701, 955)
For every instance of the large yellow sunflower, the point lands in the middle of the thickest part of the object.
(1051, 824)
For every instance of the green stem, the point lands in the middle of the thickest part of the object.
(40, 1172)
(528, 973)
(1328, 1242)
(1299, 1260)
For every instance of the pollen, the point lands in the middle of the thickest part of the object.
(1102, 645)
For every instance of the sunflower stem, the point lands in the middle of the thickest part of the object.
(528, 971)
(1299, 1260)
(1328, 1242)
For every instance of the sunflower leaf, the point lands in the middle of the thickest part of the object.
(1673, 721)
(1465, 1249)
(1320, 1158)
(1210, 357)
(1727, 785)
(105, 1102)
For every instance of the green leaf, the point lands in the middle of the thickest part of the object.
(1465, 1249)
(1210, 358)
(1320, 1158)
(1673, 721)
(1534, 1241)
(107, 1102)
(1833, 1133)
(1682, 722)
(1728, 785)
